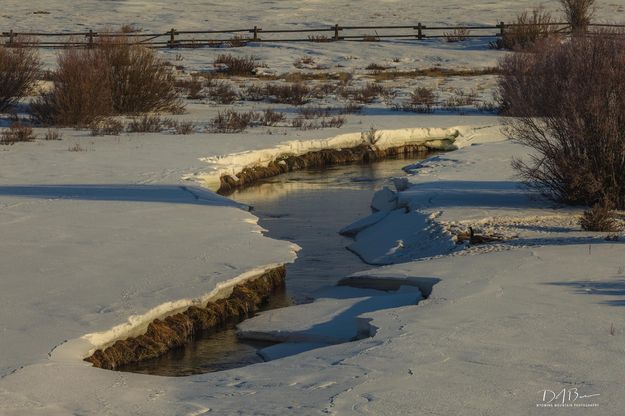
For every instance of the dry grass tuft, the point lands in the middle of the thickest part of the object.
(17, 133)
(599, 218)
(106, 126)
(457, 35)
(232, 65)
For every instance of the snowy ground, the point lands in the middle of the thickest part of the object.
(100, 240)
(160, 16)
(498, 328)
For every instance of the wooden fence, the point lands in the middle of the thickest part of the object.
(174, 38)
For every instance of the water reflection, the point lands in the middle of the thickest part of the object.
(307, 208)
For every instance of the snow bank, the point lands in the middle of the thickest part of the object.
(433, 138)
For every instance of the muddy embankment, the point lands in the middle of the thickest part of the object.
(177, 330)
(316, 159)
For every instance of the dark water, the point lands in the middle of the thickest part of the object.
(306, 208)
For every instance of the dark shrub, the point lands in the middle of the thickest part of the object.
(82, 90)
(114, 77)
(294, 94)
(231, 121)
(19, 67)
(567, 102)
(526, 30)
(578, 13)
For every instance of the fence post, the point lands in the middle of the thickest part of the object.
(255, 38)
(90, 38)
(502, 28)
(420, 28)
(172, 37)
(10, 43)
(336, 32)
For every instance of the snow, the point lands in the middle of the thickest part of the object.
(434, 138)
(98, 242)
(341, 317)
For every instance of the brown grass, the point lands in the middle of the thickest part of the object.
(457, 35)
(17, 133)
(599, 218)
(106, 126)
(232, 65)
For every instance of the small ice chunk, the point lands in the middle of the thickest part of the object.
(384, 200)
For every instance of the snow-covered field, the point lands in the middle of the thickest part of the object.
(97, 242)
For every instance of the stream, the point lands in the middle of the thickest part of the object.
(307, 208)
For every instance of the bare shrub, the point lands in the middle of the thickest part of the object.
(304, 62)
(526, 30)
(599, 218)
(255, 92)
(19, 67)
(222, 92)
(371, 38)
(301, 123)
(193, 87)
(53, 134)
(366, 93)
(270, 117)
(336, 122)
(232, 65)
(371, 137)
(320, 38)
(350, 108)
(82, 90)
(17, 133)
(114, 77)
(460, 98)
(184, 127)
(76, 148)
(145, 124)
(230, 121)
(237, 41)
(457, 35)
(578, 13)
(106, 126)
(314, 112)
(140, 80)
(422, 100)
(376, 67)
(568, 104)
(294, 94)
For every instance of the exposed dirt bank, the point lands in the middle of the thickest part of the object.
(316, 159)
(177, 330)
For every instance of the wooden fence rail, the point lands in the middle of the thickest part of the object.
(174, 38)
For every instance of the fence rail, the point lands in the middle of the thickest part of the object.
(174, 38)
